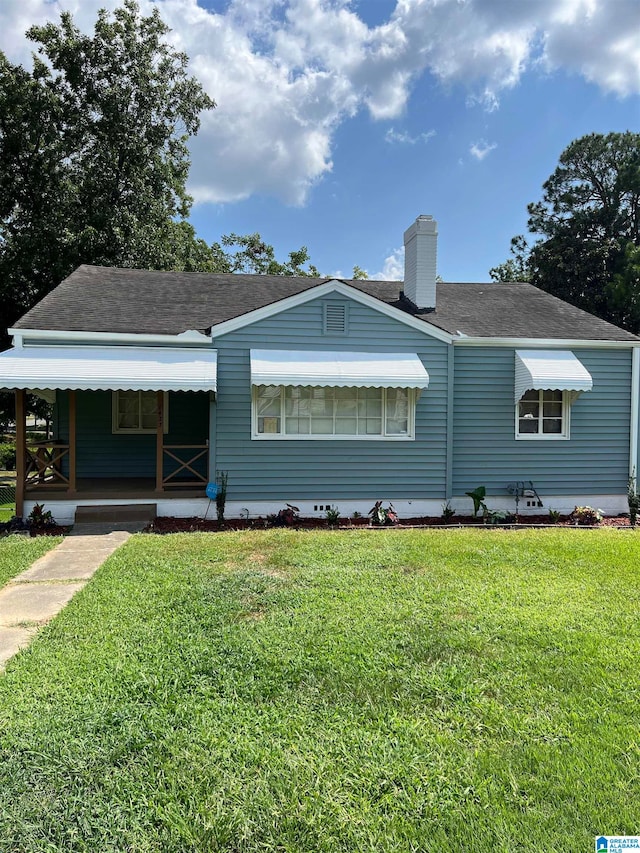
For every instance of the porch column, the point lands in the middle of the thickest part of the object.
(72, 443)
(21, 454)
(212, 437)
(160, 442)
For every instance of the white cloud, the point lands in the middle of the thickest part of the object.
(480, 149)
(392, 268)
(403, 138)
(286, 73)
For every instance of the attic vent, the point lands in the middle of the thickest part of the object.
(335, 318)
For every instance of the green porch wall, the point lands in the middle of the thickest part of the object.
(101, 453)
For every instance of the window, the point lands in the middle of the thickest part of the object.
(317, 412)
(137, 412)
(542, 415)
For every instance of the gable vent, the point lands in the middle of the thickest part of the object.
(335, 318)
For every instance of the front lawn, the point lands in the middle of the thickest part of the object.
(17, 553)
(368, 691)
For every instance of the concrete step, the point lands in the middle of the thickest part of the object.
(116, 512)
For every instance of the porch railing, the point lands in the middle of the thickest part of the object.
(43, 464)
(185, 474)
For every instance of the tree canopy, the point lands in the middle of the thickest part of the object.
(253, 255)
(93, 154)
(586, 230)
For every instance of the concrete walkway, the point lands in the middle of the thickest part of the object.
(34, 597)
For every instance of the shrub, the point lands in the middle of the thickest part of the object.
(7, 455)
(287, 517)
(447, 512)
(554, 516)
(39, 517)
(332, 515)
(381, 515)
(586, 515)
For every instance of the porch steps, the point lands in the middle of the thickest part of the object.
(116, 512)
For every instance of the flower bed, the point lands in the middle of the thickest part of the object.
(171, 524)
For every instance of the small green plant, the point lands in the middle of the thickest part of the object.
(633, 498)
(586, 515)
(222, 479)
(447, 512)
(554, 516)
(39, 517)
(356, 515)
(498, 516)
(477, 496)
(332, 515)
(381, 516)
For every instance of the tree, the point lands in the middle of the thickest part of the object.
(516, 268)
(359, 274)
(253, 255)
(588, 228)
(93, 155)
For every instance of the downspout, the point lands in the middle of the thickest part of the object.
(635, 411)
(449, 458)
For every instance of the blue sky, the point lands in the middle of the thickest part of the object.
(338, 123)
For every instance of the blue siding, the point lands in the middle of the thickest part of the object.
(100, 453)
(595, 460)
(329, 471)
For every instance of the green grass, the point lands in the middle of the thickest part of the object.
(369, 691)
(18, 552)
(7, 511)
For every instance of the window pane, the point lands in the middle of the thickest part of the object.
(297, 426)
(346, 426)
(269, 425)
(552, 396)
(374, 407)
(346, 404)
(531, 395)
(322, 426)
(149, 402)
(397, 411)
(370, 426)
(552, 425)
(149, 409)
(528, 427)
(552, 410)
(268, 401)
(396, 426)
(529, 410)
(128, 409)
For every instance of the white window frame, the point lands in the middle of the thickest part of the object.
(546, 436)
(117, 430)
(262, 436)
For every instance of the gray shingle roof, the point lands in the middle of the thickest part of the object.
(109, 299)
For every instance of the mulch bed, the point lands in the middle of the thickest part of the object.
(170, 524)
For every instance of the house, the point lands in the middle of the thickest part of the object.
(321, 392)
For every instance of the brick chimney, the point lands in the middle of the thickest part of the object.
(420, 249)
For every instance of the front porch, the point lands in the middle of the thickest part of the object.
(88, 461)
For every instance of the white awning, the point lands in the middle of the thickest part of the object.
(109, 368)
(338, 369)
(550, 370)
